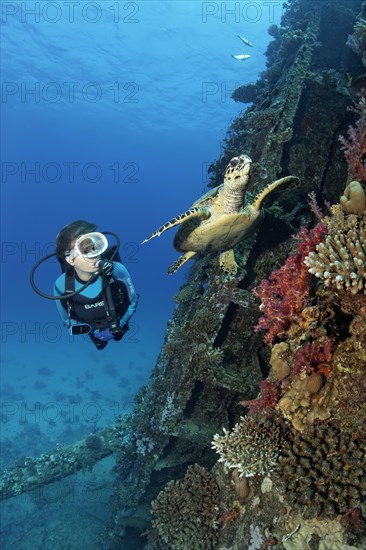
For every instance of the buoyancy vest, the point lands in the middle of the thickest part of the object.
(95, 311)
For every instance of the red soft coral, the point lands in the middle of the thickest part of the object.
(270, 394)
(284, 293)
(315, 357)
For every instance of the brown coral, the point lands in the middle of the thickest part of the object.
(323, 472)
(280, 360)
(350, 366)
(186, 512)
(353, 200)
(302, 406)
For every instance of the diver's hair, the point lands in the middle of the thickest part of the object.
(69, 234)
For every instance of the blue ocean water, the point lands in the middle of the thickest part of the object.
(112, 112)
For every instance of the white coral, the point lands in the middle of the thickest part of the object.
(341, 259)
(252, 447)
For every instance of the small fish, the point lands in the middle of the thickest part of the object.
(241, 57)
(246, 42)
(349, 79)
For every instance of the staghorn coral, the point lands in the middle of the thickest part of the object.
(323, 472)
(253, 447)
(284, 293)
(186, 512)
(340, 261)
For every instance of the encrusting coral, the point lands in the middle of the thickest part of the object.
(252, 448)
(353, 200)
(280, 363)
(307, 400)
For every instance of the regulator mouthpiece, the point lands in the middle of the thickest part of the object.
(91, 245)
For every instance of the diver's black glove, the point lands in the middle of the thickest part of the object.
(124, 329)
(119, 334)
(106, 267)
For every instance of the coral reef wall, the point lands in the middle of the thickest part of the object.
(212, 357)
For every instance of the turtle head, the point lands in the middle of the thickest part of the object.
(236, 181)
(239, 161)
(237, 173)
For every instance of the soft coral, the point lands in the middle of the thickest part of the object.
(284, 293)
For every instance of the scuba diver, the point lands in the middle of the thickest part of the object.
(95, 295)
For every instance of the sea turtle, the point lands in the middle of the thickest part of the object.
(219, 220)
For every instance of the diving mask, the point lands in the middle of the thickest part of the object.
(90, 245)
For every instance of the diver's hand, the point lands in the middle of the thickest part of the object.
(103, 335)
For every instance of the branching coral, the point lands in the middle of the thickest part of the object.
(187, 512)
(252, 448)
(284, 293)
(340, 261)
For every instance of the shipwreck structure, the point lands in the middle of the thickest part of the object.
(213, 359)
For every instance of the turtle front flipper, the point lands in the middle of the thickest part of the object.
(179, 262)
(198, 212)
(258, 199)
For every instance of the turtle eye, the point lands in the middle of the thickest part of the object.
(234, 161)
